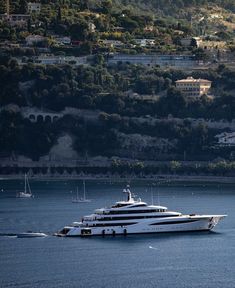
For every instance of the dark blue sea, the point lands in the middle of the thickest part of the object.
(205, 259)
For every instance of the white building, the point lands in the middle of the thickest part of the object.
(61, 60)
(178, 61)
(111, 43)
(19, 20)
(144, 42)
(34, 39)
(64, 40)
(34, 7)
(91, 27)
(226, 139)
(140, 42)
(150, 42)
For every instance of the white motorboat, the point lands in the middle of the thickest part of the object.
(81, 199)
(136, 217)
(27, 193)
(31, 234)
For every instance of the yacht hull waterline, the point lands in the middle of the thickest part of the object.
(136, 217)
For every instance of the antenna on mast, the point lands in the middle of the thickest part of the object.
(158, 199)
(127, 190)
(151, 190)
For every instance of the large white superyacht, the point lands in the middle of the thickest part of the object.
(136, 217)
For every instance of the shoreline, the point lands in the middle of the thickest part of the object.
(157, 178)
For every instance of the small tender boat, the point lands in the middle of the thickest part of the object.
(136, 217)
(31, 234)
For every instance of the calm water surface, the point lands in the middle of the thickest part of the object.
(162, 260)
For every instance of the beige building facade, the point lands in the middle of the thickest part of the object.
(191, 87)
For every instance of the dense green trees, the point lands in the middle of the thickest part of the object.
(110, 91)
(122, 20)
(171, 6)
(100, 137)
(20, 136)
(79, 31)
(108, 6)
(105, 88)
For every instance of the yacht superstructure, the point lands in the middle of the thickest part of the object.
(136, 217)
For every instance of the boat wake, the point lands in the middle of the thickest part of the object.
(154, 248)
(24, 235)
(7, 236)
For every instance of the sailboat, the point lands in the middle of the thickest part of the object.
(81, 199)
(27, 193)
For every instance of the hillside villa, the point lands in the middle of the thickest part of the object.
(191, 87)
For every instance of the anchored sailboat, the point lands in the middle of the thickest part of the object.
(81, 199)
(27, 193)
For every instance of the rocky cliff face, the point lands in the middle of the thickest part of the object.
(63, 150)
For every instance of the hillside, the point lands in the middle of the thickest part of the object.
(173, 7)
(121, 124)
(59, 64)
(203, 16)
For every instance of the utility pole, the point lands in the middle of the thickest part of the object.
(8, 8)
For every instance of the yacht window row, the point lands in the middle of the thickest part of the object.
(174, 222)
(111, 224)
(119, 205)
(138, 205)
(133, 217)
(133, 211)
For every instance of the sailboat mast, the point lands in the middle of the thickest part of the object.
(25, 184)
(151, 189)
(29, 186)
(84, 190)
(158, 199)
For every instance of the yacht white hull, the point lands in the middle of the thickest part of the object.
(24, 195)
(169, 224)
